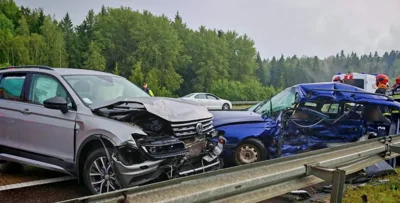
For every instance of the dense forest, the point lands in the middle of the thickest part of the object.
(172, 58)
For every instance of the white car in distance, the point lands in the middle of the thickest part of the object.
(209, 100)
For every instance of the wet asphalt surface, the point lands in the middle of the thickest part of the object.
(45, 193)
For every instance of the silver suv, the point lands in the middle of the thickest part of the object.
(102, 128)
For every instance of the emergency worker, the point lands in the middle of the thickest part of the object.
(337, 79)
(396, 90)
(147, 90)
(381, 82)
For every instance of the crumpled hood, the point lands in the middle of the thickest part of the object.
(227, 117)
(170, 109)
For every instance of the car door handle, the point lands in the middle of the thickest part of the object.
(26, 112)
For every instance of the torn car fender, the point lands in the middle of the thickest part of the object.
(117, 132)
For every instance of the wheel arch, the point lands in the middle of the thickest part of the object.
(89, 144)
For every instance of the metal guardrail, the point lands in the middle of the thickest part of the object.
(263, 180)
(236, 103)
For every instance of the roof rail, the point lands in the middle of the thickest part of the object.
(28, 66)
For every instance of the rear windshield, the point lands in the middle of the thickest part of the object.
(355, 82)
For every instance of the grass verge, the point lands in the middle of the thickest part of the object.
(376, 191)
(239, 107)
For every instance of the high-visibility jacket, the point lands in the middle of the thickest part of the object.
(149, 92)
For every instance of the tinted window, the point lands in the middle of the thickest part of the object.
(44, 87)
(355, 82)
(209, 96)
(200, 96)
(11, 86)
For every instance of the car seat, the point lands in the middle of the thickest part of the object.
(83, 89)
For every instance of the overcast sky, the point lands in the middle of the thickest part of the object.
(301, 27)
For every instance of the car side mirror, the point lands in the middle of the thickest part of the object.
(57, 103)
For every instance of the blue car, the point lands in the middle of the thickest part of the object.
(304, 117)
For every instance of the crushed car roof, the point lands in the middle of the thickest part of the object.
(339, 92)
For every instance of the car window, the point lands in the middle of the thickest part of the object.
(44, 87)
(95, 89)
(200, 96)
(11, 86)
(188, 95)
(209, 96)
(281, 101)
(355, 82)
(330, 108)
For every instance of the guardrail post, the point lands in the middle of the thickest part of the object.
(336, 176)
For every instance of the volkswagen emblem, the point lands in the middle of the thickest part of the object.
(199, 128)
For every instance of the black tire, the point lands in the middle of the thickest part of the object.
(254, 150)
(225, 107)
(93, 156)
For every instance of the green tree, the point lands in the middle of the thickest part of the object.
(55, 46)
(137, 76)
(94, 59)
(116, 69)
(23, 28)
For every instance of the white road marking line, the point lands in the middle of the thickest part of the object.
(36, 182)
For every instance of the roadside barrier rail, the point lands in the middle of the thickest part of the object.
(237, 103)
(264, 180)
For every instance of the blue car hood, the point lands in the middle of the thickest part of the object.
(229, 117)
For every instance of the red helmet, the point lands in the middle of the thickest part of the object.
(337, 79)
(398, 80)
(382, 78)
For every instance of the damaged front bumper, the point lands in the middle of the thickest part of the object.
(168, 156)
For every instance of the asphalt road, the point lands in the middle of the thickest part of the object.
(45, 193)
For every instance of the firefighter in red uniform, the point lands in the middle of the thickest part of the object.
(337, 79)
(381, 82)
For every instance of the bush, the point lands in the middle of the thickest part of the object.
(238, 91)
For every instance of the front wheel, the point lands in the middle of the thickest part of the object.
(225, 107)
(250, 151)
(98, 174)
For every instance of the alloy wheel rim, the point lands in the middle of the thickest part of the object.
(102, 177)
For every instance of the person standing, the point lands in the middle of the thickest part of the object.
(337, 79)
(382, 81)
(395, 91)
(147, 90)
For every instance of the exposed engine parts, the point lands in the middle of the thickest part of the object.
(173, 149)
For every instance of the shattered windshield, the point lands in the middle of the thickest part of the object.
(280, 101)
(99, 88)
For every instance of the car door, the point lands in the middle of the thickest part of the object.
(202, 99)
(46, 131)
(214, 101)
(11, 108)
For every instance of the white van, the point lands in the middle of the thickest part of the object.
(360, 80)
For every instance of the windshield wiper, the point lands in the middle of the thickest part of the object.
(260, 105)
